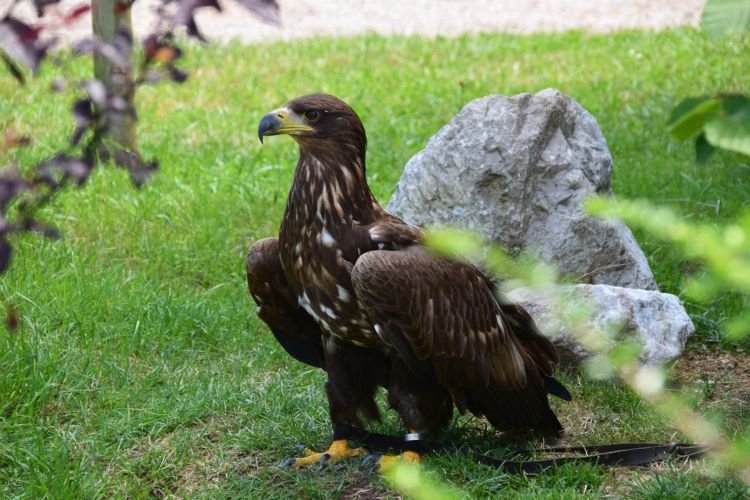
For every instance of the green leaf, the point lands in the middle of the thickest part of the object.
(689, 117)
(703, 150)
(735, 103)
(725, 17)
(417, 484)
(625, 353)
(737, 328)
(453, 242)
(730, 132)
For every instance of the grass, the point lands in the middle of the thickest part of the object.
(140, 369)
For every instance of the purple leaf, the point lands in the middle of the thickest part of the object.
(73, 15)
(266, 10)
(184, 16)
(96, 91)
(161, 50)
(14, 69)
(70, 166)
(5, 252)
(186, 10)
(152, 76)
(41, 4)
(21, 42)
(123, 43)
(140, 171)
(108, 51)
(11, 320)
(59, 84)
(11, 184)
(29, 224)
(177, 75)
(192, 30)
(85, 115)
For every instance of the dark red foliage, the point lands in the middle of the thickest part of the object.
(97, 103)
(77, 12)
(20, 42)
(266, 10)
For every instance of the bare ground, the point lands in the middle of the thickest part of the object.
(309, 18)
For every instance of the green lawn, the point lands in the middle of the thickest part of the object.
(140, 369)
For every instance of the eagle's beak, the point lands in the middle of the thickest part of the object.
(281, 121)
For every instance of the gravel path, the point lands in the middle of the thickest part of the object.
(307, 18)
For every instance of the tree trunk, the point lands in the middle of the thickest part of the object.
(119, 81)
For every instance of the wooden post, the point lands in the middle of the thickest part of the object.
(107, 22)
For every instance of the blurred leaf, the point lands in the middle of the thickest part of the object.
(11, 317)
(14, 140)
(186, 12)
(416, 484)
(726, 262)
(5, 253)
(598, 367)
(689, 117)
(735, 103)
(738, 455)
(177, 75)
(167, 54)
(41, 4)
(725, 17)
(116, 52)
(456, 243)
(85, 116)
(59, 84)
(15, 71)
(730, 132)
(738, 328)
(69, 166)
(625, 353)
(96, 91)
(77, 12)
(140, 170)
(11, 184)
(266, 10)
(703, 150)
(649, 381)
(704, 288)
(21, 42)
(29, 224)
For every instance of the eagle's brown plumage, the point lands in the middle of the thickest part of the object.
(347, 287)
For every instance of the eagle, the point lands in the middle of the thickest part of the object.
(350, 288)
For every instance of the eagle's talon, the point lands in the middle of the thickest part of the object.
(338, 450)
(372, 457)
(289, 462)
(323, 460)
(380, 463)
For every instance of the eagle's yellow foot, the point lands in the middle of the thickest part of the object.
(381, 463)
(338, 450)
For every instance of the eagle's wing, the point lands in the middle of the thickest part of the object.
(445, 312)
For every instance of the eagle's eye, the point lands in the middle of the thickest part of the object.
(311, 116)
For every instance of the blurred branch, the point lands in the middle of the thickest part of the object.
(725, 254)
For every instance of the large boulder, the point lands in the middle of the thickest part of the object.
(658, 320)
(517, 170)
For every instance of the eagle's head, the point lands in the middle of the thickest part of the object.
(315, 121)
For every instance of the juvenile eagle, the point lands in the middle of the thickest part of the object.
(347, 287)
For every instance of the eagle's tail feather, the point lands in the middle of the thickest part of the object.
(554, 387)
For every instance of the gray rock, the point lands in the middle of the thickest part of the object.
(657, 319)
(517, 169)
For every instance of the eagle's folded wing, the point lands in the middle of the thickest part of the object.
(444, 312)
